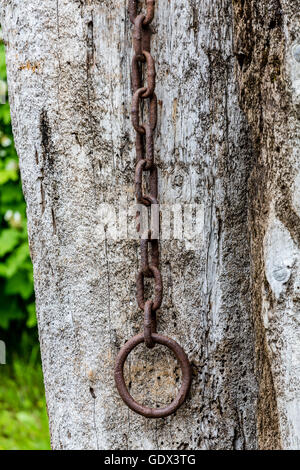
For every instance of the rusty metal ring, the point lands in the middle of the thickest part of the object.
(139, 183)
(132, 7)
(136, 78)
(186, 376)
(138, 37)
(149, 324)
(151, 73)
(153, 111)
(149, 146)
(139, 146)
(151, 198)
(145, 254)
(135, 110)
(141, 288)
(149, 14)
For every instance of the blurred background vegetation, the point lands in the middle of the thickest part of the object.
(23, 417)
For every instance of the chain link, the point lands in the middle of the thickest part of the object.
(144, 145)
(142, 55)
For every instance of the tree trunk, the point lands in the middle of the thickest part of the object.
(268, 73)
(228, 93)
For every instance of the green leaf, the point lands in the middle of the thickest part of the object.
(9, 238)
(9, 310)
(15, 261)
(31, 321)
(11, 193)
(21, 283)
(5, 113)
(8, 175)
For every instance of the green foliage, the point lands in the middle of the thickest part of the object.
(16, 280)
(23, 417)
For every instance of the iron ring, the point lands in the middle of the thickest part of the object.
(186, 376)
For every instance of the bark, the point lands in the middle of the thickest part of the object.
(228, 120)
(268, 71)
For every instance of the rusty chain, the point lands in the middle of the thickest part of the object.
(144, 144)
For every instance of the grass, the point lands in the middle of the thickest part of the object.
(23, 416)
